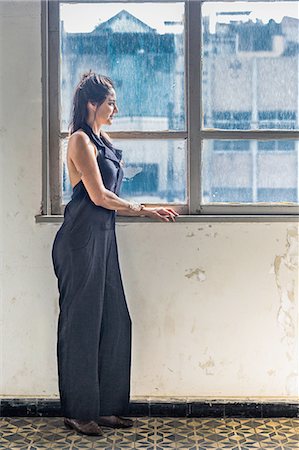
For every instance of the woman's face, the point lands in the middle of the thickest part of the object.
(106, 111)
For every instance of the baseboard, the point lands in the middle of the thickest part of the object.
(41, 407)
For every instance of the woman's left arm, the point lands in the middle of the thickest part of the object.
(130, 213)
(155, 213)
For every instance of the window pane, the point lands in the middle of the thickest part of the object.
(266, 172)
(140, 47)
(154, 171)
(250, 65)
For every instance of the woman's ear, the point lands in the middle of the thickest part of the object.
(91, 105)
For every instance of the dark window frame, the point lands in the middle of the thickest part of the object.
(194, 135)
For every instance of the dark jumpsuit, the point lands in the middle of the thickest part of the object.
(94, 324)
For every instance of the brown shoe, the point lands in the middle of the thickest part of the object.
(83, 426)
(114, 422)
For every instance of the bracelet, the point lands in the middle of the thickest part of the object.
(136, 206)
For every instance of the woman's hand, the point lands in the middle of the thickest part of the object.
(160, 213)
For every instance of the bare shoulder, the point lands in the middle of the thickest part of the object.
(79, 141)
(79, 137)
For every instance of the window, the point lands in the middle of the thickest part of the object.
(207, 94)
(249, 171)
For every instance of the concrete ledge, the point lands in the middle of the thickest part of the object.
(191, 218)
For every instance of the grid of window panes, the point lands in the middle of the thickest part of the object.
(250, 65)
(142, 50)
(140, 47)
(249, 82)
(155, 170)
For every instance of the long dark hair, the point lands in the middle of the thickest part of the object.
(92, 87)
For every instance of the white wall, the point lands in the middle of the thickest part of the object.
(213, 305)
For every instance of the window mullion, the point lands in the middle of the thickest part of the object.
(54, 110)
(193, 74)
(140, 134)
(249, 134)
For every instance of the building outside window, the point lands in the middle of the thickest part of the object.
(207, 95)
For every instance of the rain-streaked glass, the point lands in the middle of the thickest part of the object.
(141, 47)
(154, 170)
(250, 171)
(250, 65)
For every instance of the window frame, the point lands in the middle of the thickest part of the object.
(194, 134)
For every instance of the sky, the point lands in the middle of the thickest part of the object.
(84, 17)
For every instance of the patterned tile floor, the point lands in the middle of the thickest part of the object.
(37, 433)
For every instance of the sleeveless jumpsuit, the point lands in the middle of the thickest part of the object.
(94, 324)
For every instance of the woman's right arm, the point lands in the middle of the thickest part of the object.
(82, 154)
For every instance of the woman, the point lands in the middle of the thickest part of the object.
(94, 325)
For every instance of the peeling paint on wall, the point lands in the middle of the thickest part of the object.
(211, 235)
(286, 270)
(191, 234)
(207, 365)
(198, 273)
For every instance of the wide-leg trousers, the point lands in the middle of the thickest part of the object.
(94, 327)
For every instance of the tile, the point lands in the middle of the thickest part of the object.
(280, 410)
(139, 409)
(203, 409)
(170, 432)
(85, 446)
(48, 408)
(243, 410)
(178, 408)
(19, 447)
(18, 407)
(40, 447)
(188, 448)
